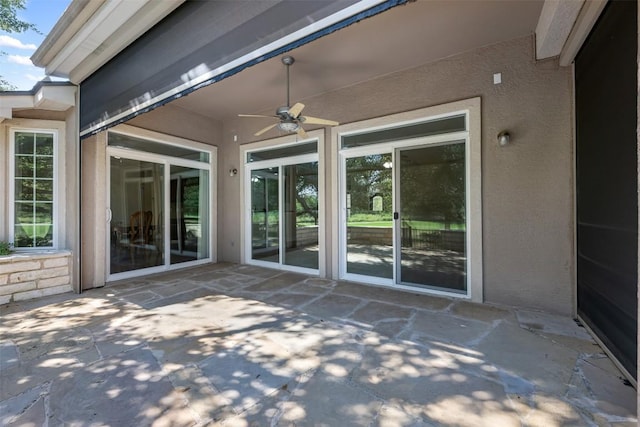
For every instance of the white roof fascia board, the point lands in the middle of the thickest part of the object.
(57, 98)
(554, 25)
(6, 113)
(51, 98)
(86, 39)
(138, 24)
(16, 101)
(584, 23)
(74, 17)
(94, 38)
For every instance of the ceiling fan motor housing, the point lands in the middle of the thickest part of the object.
(283, 113)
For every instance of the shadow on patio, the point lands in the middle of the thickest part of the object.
(240, 345)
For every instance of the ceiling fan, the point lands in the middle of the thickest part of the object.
(291, 118)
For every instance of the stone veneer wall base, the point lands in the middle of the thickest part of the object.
(26, 276)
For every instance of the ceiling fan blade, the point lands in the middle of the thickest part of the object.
(317, 121)
(256, 115)
(296, 109)
(301, 133)
(268, 128)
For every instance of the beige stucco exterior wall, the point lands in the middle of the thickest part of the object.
(93, 207)
(72, 202)
(176, 121)
(527, 186)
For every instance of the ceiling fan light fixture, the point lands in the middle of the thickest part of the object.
(287, 126)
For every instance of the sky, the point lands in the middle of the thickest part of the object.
(15, 66)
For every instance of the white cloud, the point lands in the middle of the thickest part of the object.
(19, 59)
(6, 41)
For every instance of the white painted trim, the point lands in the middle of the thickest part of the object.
(104, 34)
(245, 196)
(475, 271)
(162, 138)
(584, 23)
(326, 22)
(121, 37)
(473, 137)
(554, 24)
(53, 98)
(58, 130)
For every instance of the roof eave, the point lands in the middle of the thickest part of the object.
(51, 96)
(90, 32)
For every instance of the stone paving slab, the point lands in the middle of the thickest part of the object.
(236, 345)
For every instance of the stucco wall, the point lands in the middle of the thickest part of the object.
(176, 121)
(72, 202)
(527, 186)
(93, 208)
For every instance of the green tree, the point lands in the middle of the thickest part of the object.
(9, 20)
(10, 23)
(368, 176)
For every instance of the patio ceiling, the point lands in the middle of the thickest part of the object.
(401, 38)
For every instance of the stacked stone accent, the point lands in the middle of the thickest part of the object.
(27, 276)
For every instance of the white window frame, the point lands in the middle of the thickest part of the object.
(471, 108)
(167, 162)
(245, 196)
(57, 130)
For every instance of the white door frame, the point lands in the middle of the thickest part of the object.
(472, 136)
(167, 162)
(245, 195)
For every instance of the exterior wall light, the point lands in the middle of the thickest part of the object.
(233, 172)
(504, 138)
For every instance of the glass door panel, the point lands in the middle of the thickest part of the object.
(369, 211)
(189, 214)
(433, 217)
(301, 215)
(265, 215)
(137, 228)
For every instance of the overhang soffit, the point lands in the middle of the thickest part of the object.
(92, 32)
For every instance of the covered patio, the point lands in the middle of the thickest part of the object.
(238, 345)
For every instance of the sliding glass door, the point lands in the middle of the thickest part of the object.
(189, 214)
(404, 215)
(369, 215)
(159, 206)
(432, 216)
(282, 195)
(136, 204)
(265, 215)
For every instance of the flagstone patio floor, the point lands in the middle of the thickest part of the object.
(237, 345)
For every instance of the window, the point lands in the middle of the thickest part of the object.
(33, 188)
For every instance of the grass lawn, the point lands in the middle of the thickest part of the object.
(422, 225)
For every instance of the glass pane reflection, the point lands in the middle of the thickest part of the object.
(265, 215)
(301, 215)
(369, 202)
